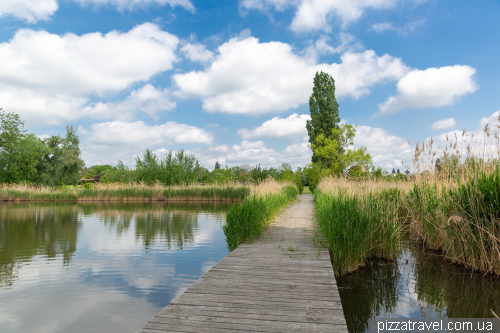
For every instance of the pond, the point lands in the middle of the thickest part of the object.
(420, 284)
(101, 267)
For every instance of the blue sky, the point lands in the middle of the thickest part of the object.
(229, 80)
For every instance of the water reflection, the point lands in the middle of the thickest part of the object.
(101, 267)
(28, 230)
(457, 292)
(421, 284)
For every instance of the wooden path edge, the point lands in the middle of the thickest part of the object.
(279, 283)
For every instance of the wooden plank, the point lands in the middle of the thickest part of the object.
(262, 286)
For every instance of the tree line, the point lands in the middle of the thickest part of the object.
(24, 157)
(177, 168)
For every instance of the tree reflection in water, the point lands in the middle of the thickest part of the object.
(28, 230)
(51, 229)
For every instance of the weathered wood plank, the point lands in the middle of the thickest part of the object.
(258, 299)
(263, 286)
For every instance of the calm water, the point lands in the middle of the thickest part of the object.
(101, 267)
(421, 284)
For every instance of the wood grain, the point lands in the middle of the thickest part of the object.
(281, 282)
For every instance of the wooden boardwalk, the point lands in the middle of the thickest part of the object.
(280, 283)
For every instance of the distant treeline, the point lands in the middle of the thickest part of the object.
(177, 168)
(56, 161)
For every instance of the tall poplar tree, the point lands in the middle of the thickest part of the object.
(323, 108)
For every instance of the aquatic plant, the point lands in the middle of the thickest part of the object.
(451, 203)
(357, 224)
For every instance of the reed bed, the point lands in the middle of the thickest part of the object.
(357, 221)
(123, 193)
(452, 204)
(247, 220)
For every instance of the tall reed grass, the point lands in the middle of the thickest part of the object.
(245, 221)
(123, 192)
(451, 203)
(356, 222)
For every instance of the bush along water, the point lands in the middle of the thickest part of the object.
(245, 221)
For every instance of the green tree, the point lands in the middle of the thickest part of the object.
(314, 173)
(339, 156)
(217, 165)
(62, 163)
(19, 152)
(71, 164)
(147, 169)
(323, 108)
(173, 169)
(118, 174)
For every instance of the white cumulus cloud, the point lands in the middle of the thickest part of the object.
(197, 52)
(29, 10)
(91, 63)
(249, 77)
(51, 77)
(432, 87)
(386, 149)
(444, 124)
(293, 127)
(254, 153)
(130, 4)
(115, 133)
(321, 14)
(147, 99)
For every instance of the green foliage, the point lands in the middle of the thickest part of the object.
(297, 179)
(323, 108)
(87, 185)
(100, 169)
(217, 165)
(173, 169)
(246, 221)
(358, 228)
(62, 162)
(337, 154)
(90, 174)
(287, 175)
(118, 174)
(314, 173)
(20, 153)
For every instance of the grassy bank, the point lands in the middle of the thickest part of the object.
(245, 221)
(123, 193)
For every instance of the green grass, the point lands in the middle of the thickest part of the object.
(306, 190)
(245, 221)
(358, 228)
